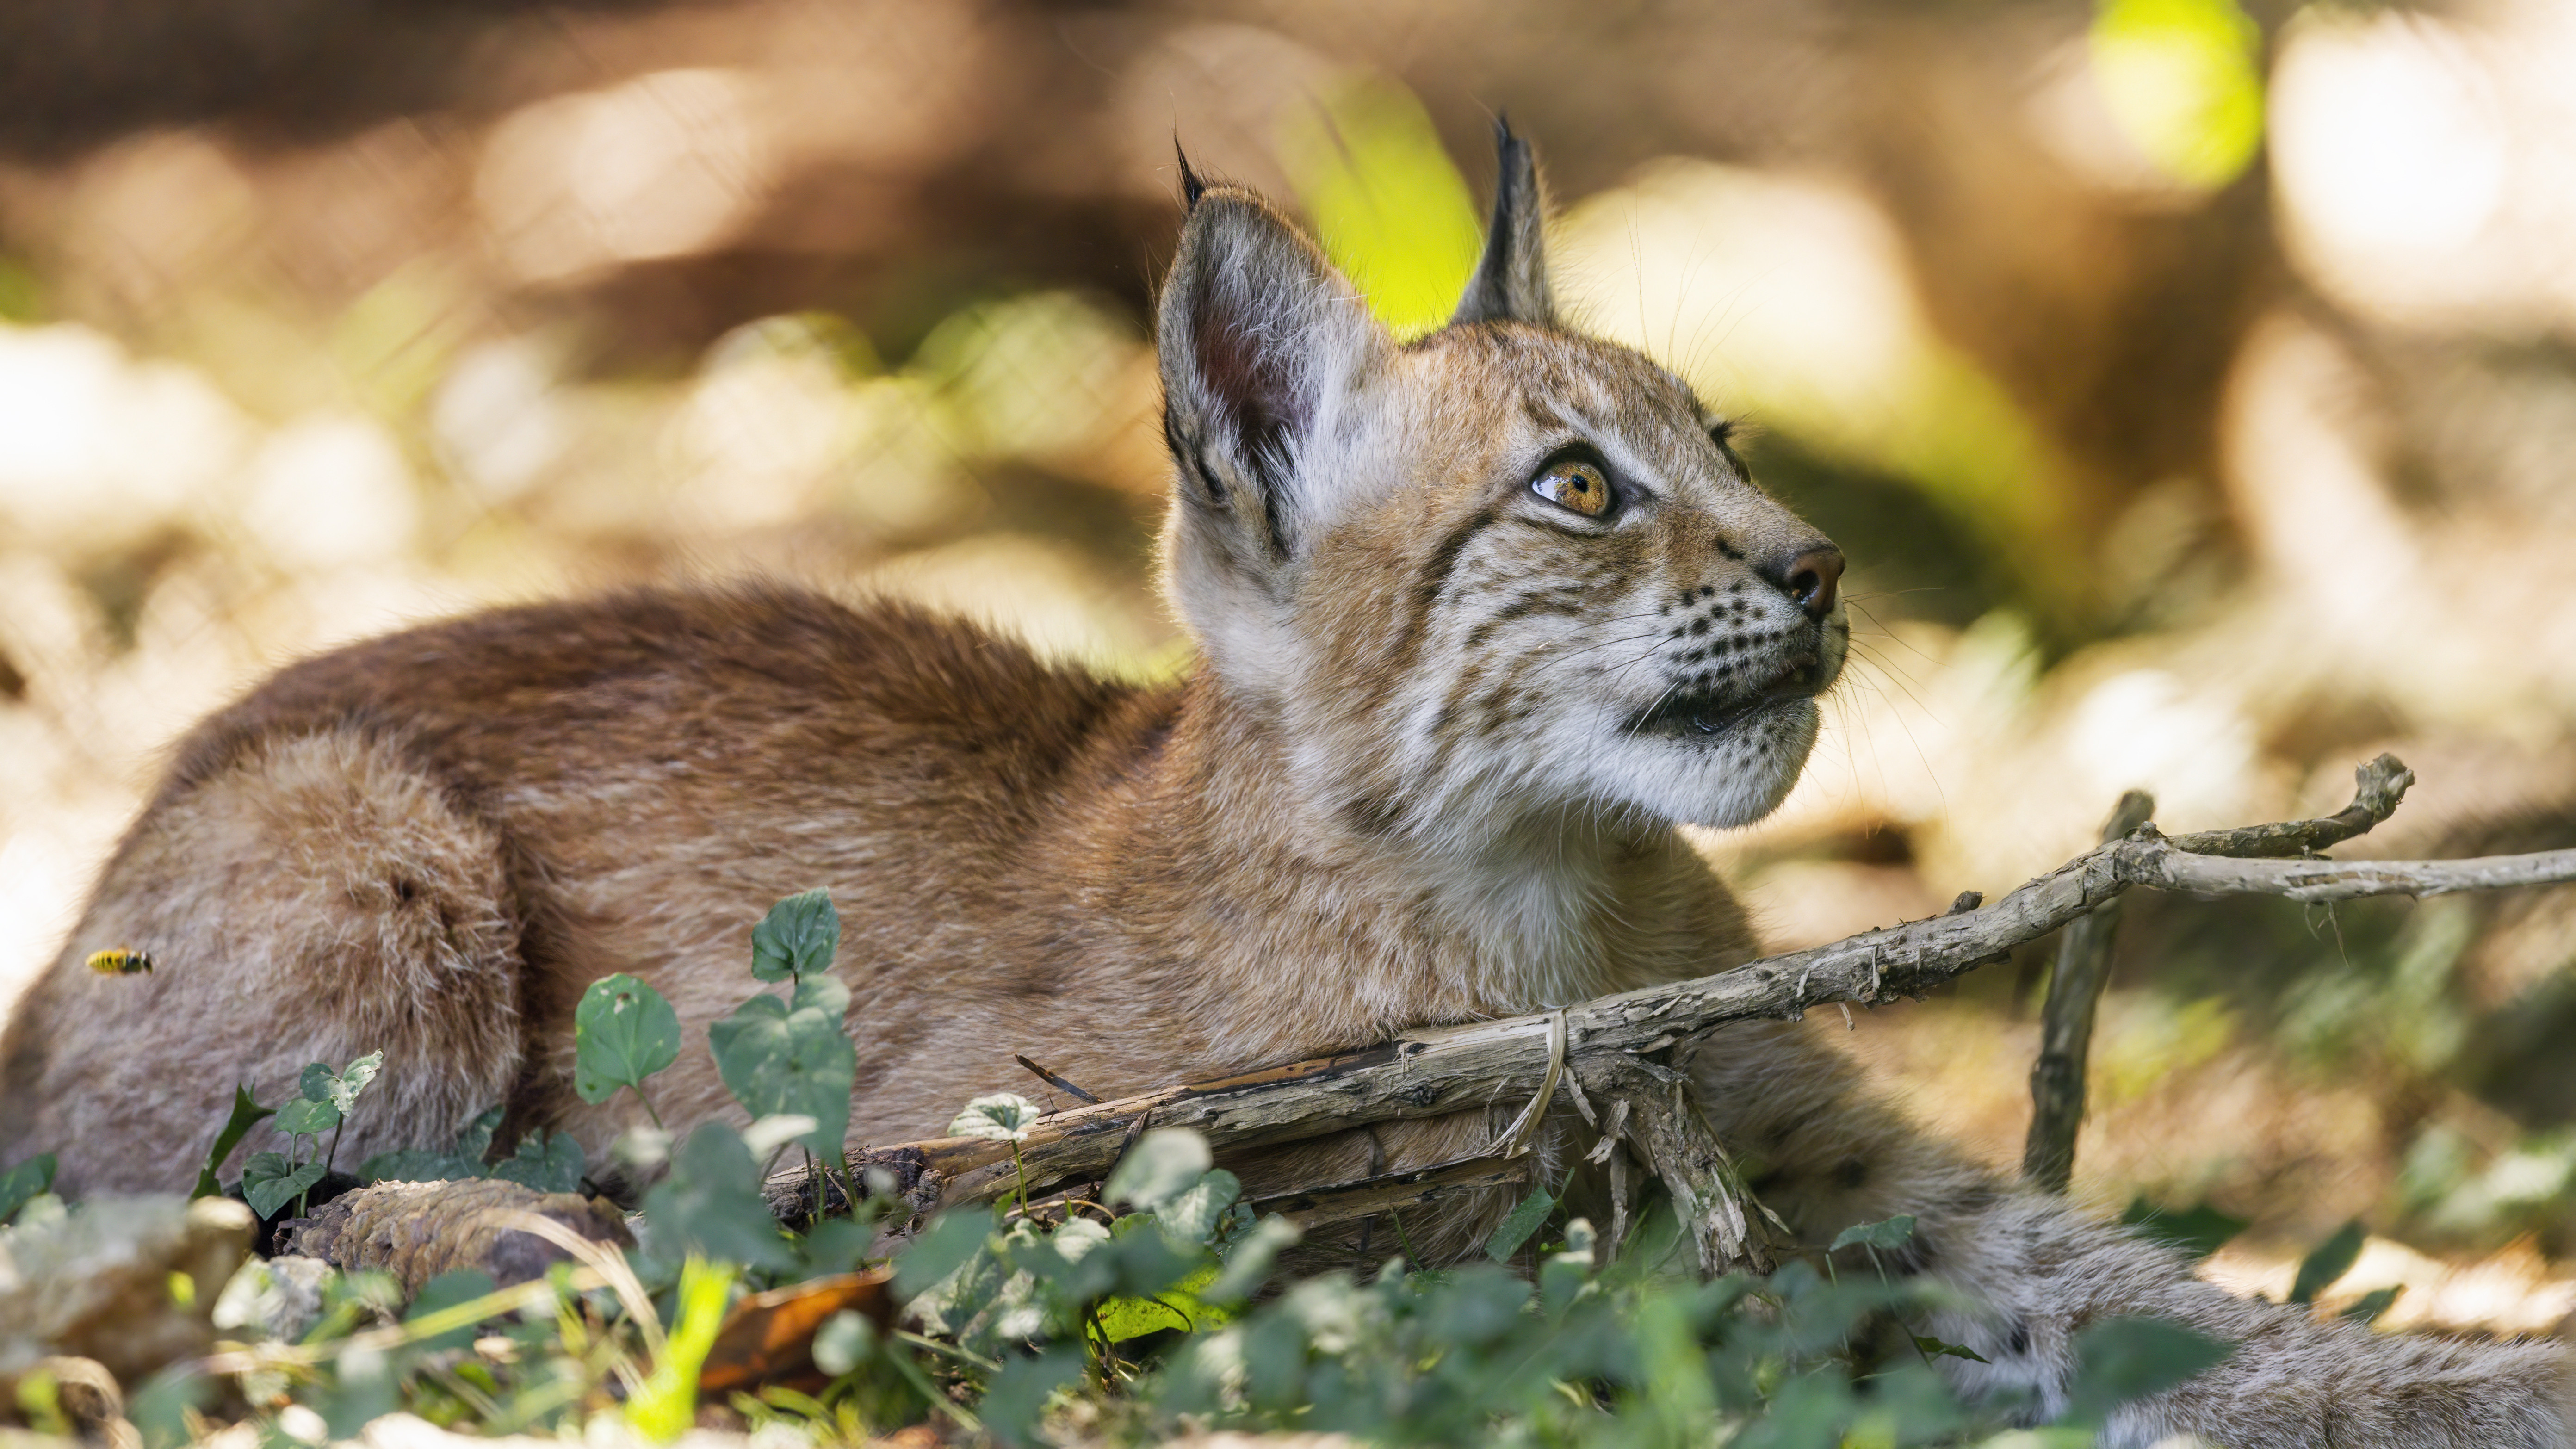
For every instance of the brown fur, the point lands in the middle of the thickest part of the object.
(1428, 771)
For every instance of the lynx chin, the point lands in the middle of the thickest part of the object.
(1481, 617)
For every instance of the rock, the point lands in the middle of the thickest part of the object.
(276, 1298)
(127, 1281)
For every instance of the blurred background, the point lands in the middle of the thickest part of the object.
(2192, 384)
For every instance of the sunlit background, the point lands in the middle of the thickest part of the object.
(2193, 387)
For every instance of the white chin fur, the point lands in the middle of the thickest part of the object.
(1729, 781)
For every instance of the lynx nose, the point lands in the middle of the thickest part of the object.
(1808, 577)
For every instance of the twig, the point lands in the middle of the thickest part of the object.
(2377, 787)
(1438, 1071)
(2066, 1035)
(1052, 1080)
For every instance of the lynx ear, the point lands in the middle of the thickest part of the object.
(1510, 284)
(1259, 340)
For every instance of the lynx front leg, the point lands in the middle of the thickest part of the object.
(315, 900)
(1826, 1152)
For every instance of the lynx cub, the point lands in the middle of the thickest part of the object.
(1481, 615)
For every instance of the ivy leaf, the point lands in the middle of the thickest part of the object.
(1893, 1232)
(941, 1249)
(1018, 1395)
(1516, 1228)
(1195, 1214)
(783, 1060)
(711, 1204)
(353, 1079)
(799, 937)
(544, 1163)
(623, 1031)
(448, 1290)
(1249, 1263)
(246, 1115)
(475, 1142)
(1000, 1117)
(1163, 1164)
(843, 1342)
(2333, 1258)
(1133, 1316)
(2121, 1359)
(160, 1409)
(24, 1181)
(1935, 1348)
(305, 1117)
(431, 1164)
(269, 1184)
(316, 1082)
(2197, 1232)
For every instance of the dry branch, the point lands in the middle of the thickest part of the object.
(2066, 1035)
(1471, 1067)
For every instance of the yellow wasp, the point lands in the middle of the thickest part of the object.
(121, 962)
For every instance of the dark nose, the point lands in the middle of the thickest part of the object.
(1808, 577)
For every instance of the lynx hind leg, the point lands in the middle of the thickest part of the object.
(1826, 1151)
(317, 899)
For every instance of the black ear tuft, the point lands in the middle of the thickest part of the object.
(1510, 284)
(1192, 188)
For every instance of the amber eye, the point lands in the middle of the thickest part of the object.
(1578, 486)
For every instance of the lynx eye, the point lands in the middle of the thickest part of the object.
(1575, 485)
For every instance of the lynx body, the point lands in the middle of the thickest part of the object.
(1482, 616)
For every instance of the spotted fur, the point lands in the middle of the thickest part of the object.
(1428, 769)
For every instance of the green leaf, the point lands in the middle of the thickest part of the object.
(782, 1060)
(2332, 1259)
(2370, 1305)
(1515, 1229)
(799, 937)
(316, 1082)
(843, 1343)
(623, 1031)
(353, 1079)
(1018, 1394)
(2121, 1359)
(1128, 1315)
(475, 1142)
(1195, 1214)
(1000, 1117)
(431, 1164)
(24, 1181)
(1388, 204)
(1935, 1348)
(1893, 1232)
(941, 1249)
(159, 1410)
(711, 1204)
(269, 1183)
(1248, 1265)
(306, 1117)
(447, 1290)
(2197, 1232)
(1164, 1163)
(546, 1163)
(246, 1115)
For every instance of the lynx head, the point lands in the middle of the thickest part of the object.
(1501, 572)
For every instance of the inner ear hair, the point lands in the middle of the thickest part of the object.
(1510, 284)
(1256, 333)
